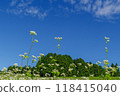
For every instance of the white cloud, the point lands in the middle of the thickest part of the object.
(98, 8)
(85, 1)
(70, 1)
(13, 2)
(107, 8)
(25, 7)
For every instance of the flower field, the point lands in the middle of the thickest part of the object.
(55, 66)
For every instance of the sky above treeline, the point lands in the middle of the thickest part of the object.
(82, 24)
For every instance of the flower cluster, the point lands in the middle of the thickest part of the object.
(58, 45)
(33, 33)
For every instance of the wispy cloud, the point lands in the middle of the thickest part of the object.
(25, 7)
(70, 1)
(109, 9)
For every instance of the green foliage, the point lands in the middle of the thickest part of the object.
(53, 65)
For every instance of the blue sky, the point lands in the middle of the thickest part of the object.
(83, 24)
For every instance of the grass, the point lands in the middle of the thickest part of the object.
(23, 77)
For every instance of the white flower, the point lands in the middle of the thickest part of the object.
(36, 41)
(4, 69)
(33, 33)
(51, 57)
(107, 72)
(99, 62)
(86, 67)
(27, 67)
(58, 38)
(63, 74)
(62, 68)
(47, 75)
(70, 69)
(55, 37)
(15, 64)
(79, 64)
(57, 64)
(34, 60)
(58, 45)
(41, 55)
(25, 54)
(33, 56)
(106, 38)
(44, 67)
(54, 70)
(106, 62)
(92, 75)
(38, 57)
(21, 55)
(88, 64)
(74, 75)
(108, 41)
(105, 48)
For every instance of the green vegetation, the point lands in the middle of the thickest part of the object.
(57, 66)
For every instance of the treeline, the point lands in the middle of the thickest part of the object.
(65, 66)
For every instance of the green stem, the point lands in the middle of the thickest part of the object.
(22, 61)
(30, 50)
(106, 52)
(98, 71)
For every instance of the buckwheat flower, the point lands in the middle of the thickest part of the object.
(106, 62)
(20, 55)
(105, 48)
(70, 69)
(107, 72)
(62, 68)
(110, 67)
(33, 33)
(118, 66)
(79, 64)
(15, 64)
(34, 60)
(33, 56)
(99, 62)
(54, 70)
(36, 41)
(58, 45)
(63, 74)
(52, 64)
(88, 64)
(51, 57)
(41, 55)
(86, 67)
(4, 69)
(92, 75)
(27, 67)
(47, 75)
(58, 38)
(55, 38)
(38, 57)
(25, 54)
(57, 64)
(74, 75)
(106, 38)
